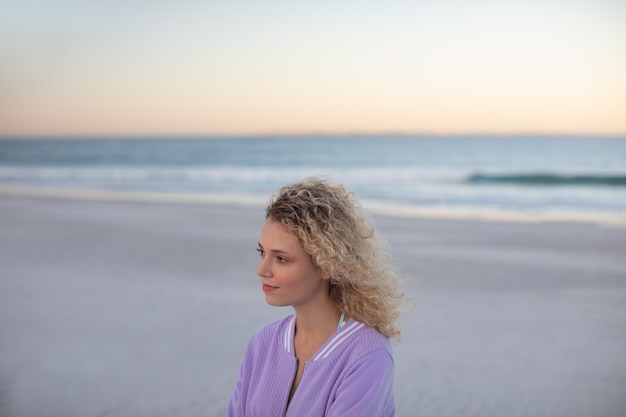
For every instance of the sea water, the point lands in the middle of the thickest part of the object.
(516, 174)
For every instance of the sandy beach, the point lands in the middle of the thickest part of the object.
(137, 308)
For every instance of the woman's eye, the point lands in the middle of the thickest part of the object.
(260, 251)
(281, 260)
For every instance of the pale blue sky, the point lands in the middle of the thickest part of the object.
(246, 67)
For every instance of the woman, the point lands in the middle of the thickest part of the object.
(319, 254)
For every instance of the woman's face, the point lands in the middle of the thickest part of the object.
(288, 275)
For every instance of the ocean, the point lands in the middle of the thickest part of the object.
(536, 174)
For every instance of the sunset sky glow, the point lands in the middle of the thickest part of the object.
(274, 67)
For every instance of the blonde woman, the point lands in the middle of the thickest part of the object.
(319, 254)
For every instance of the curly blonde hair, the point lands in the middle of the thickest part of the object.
(333, 228)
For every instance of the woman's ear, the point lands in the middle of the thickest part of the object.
(325, 276)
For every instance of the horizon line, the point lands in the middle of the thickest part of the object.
(295, 135)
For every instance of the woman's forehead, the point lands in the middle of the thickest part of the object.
(275, 233)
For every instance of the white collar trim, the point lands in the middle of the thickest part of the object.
(340, 336)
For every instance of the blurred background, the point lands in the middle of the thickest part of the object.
(140, 140)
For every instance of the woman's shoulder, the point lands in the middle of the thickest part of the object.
(365, 342)
(367, 339)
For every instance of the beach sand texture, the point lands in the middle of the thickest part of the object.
(114, 308)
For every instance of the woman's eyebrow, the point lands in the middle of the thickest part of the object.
(279, 251)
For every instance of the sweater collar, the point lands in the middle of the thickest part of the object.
(336, 340)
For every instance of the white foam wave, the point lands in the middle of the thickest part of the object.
(232, 174)
(410, 186)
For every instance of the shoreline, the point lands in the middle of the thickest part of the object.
(372, 206)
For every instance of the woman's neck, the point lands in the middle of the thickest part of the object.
(318, 320)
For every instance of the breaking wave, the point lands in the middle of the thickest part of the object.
(546, 179)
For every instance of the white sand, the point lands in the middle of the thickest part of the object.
(131, 308)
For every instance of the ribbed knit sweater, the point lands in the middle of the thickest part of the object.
(350, 375)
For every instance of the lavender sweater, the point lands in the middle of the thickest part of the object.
(350, 375)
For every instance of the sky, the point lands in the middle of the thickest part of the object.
(136, 67)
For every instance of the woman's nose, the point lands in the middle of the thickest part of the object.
(263, 269)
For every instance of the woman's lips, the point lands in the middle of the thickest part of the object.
(268, 288)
